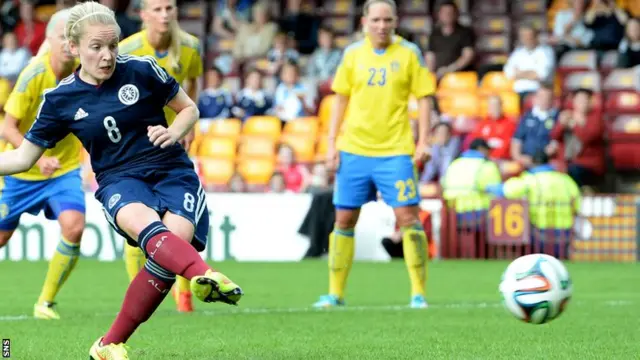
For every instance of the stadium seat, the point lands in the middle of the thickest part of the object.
(495, 82)
(307, 126)
(222, 148)
(463, 81)
(498, 43)
(528, 7)
(627, 124)
(325, 109)
(340, 24)
(269, 126)
(256, 171)
(487, 7)
(588, 80)
(192, 10)
(338, 7)
(216, 171)
(411, 7)
(539, 22)
(225, 128)
(43, 13)
(257, 147)
(625, 102)
(492, 24)
(194, 148)
(609, 61)
(510, 104)
(578, 60)
(621, 79)
(417, 24)
(460, 104)
(303, 146)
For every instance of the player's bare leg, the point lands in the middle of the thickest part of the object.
(182, 287)
(62, 262)
(341, 251)
(414, 246)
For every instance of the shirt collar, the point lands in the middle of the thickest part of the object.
(472, 154)
(541, 168)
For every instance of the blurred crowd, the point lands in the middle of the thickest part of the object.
(560, 77)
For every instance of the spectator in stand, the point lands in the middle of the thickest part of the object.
(252, 100)
(292, 98)
(303, 26)
(228, 16)
(12, 58)
(237, 184)
(533, 132)
(629, 49)
(215, 102)
(496, 129)
(607, 21)
(578, 140)
(324, 61)
(530, 64)
(254, 39)
(569, 31)
(281, 53)
(451, 44)
(445, 149)
(277, 183)
(295, 175)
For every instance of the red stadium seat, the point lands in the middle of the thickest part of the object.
(490, 7)
(416, 24)
(528, 7)
(624, 102)
(492, 24)
(414, 7)
(587, 80)
(621, 79)
(578, 60)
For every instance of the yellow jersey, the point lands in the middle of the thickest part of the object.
(189, 66)
(379, 84)
(23, 105)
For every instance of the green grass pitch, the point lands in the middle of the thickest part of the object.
(274, 321)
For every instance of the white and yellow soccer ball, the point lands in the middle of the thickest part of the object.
(536, 288)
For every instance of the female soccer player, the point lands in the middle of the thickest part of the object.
(147, 185)
(54, 184)
(376, 78)
(179, 54)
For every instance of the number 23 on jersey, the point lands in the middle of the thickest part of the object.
(377, 76)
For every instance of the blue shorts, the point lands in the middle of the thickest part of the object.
(31, 196)
(176, 190)
(358, 177)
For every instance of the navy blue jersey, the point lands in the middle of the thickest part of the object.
(111, 120)
(254, 103)
(215, 104)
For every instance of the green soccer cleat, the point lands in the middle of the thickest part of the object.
(215, 287)
(108, 352)
(45, 311)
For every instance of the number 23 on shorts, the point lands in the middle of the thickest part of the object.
(406, 189)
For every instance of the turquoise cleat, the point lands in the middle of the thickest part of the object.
(327, 301)
(418, 302)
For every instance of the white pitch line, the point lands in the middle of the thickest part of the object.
(299, 310)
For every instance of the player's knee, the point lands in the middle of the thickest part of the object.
(407, 216)
(346, 219)
(4, 238)
(72, 226)
(135, 217)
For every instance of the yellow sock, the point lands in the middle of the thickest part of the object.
(414, 246)
(341, 249)
(183, 284)
(62, 263)
(134, 260)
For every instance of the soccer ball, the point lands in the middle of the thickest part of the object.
(536, 288)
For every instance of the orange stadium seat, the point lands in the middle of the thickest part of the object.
(269, 126)
(194, 148)
(302, 145)
(325, 110)
(495, 82)
(462, 104)
(256, 171)
(257, 147)
(307, 126)
(458, 81)
(222, 148)
(225, 128)
(626, 102)
(216, 171)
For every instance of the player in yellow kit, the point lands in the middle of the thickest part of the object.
(375, 79)
(180, 55)
(54, 184)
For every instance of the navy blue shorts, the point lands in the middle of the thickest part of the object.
(176, 190)
(27, 196)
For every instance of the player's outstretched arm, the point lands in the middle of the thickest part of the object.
(20, 159)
